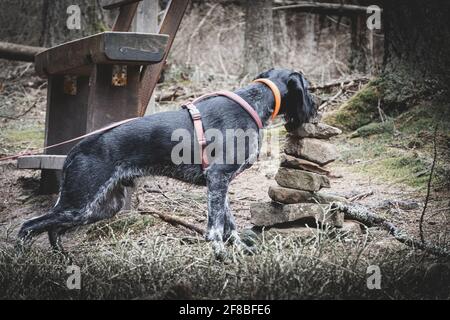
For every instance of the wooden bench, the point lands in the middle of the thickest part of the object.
(97, 80)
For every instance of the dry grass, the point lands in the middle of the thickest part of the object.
(148, 266)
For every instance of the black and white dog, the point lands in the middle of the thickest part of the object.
(99, 168)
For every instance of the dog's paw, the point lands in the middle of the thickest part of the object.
(220, 253)
(249, 237)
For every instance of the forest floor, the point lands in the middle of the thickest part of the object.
(136, 255)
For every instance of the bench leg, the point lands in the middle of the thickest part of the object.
(50, 180)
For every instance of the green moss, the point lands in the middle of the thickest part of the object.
(360, 110)
(401, 150)
(374, 128)
(16, 139)
(403, 169)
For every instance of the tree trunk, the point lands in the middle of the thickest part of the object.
(55, 29)
(258, 51)
(21, 21)
(417, 48)
(359, 44)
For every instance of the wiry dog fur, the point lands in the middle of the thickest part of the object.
(99, 168)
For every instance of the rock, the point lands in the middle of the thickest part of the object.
(272, 213)
(350, 226)
(301, 232)
(317, 130)
(301, 180)
(327, 198)
(311, 149)
(289, 196)
(288, 161)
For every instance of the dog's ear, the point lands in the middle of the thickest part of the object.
(301, 106)
(265, 74)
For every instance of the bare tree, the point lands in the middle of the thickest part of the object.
(258, 52)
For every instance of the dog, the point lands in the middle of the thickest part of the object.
(98, 170)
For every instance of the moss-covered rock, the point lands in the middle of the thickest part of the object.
(374, 128)
(358, 111)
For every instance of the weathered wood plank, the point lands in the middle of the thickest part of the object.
(113, 4)
(77, 57)
(54, 162)
(109, 104)
(151, 73)
(125, 18)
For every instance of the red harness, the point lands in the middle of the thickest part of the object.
(197, 118)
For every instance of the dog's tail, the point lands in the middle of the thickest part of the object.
(36, 226)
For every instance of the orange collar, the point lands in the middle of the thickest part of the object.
(276, 94)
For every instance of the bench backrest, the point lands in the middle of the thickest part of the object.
(112, 4)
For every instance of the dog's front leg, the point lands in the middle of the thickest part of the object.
(217, 183)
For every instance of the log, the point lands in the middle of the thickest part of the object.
(323, 8)
(18, 52)
(363, 215)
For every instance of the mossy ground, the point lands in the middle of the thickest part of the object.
(401, 149)
(22, 138)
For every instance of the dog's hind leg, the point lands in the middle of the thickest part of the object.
(54, 237)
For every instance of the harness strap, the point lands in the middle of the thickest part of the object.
(197, 118)
(233, 96)
(198, 127)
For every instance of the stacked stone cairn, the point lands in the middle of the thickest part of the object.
(302, 174)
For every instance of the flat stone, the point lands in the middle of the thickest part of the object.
(288, 161)
(348, 228)
(301, 232)
(289, 196)
(317, 130)
(311, 149)
(272, 213)
(301, 180)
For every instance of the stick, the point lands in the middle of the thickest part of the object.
(175, 220)
(338, 83)
(422, 216)
(361, 196)
(20, 115)
(323, 8)
(362, 214)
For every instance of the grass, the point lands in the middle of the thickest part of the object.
(19, 138)
(124, 267)
(401, 149)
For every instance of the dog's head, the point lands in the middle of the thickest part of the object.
(297, 104)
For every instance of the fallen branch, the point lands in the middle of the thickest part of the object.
(175, 221)
(323, 8)
(362, 214)
(337, 83)
(337, 95)
(422, 216)
(20, 115)
(361, 196)
(12, 51)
